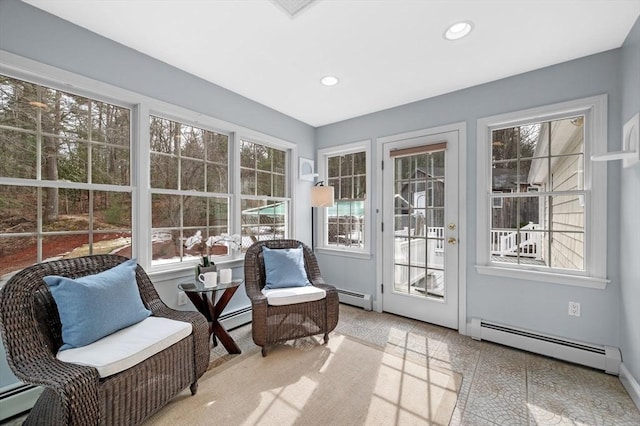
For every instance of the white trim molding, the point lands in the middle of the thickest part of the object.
(630, 384)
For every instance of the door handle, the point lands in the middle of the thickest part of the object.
(452, 240)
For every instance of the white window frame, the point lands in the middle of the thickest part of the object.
(594, 276)
(321, 223)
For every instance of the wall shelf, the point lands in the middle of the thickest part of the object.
(630, 153)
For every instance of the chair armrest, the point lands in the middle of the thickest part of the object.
(75, 385)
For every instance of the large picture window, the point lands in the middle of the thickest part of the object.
(189, 195)
(541, 207)
(65, 175)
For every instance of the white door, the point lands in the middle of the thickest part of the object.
(420, 228)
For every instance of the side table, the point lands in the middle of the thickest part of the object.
(204, 299)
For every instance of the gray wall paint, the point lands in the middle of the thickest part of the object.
(629, 320)
(534, 305)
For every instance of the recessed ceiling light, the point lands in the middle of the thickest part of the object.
(458, 30)
(329, 80)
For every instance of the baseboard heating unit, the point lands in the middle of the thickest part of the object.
(355, 299)
(605, 358)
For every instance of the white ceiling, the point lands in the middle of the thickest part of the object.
(385, 52)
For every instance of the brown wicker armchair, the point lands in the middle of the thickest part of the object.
(75, 394)
(273, 324)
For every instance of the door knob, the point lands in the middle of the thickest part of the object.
(451, 240)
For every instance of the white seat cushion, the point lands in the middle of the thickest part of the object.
(129, 346)
(291, 295)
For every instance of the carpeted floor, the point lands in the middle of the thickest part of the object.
(346, 382)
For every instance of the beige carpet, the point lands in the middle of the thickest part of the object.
(343, 383)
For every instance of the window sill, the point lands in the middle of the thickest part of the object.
(343, 253)
(549, 277)
(178, 271)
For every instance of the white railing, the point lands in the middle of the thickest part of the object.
(414, 253)
(512, 242)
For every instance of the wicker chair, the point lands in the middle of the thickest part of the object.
(75, 394)
(273, 324)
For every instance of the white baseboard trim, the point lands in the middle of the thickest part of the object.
(630, 384)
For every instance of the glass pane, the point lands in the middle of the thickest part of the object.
(567, 213)
(165, 211)
(333, 167)
(360, 163)
(346, 188)
(21, 104)
(346, 165)
(195, 212)
(161, 136)
(360, 187)
(192, 175)
(567, 250)
(18, 209)
(69, 246)
(534, 175)
(111, 124)
(65, 209)
(110, 165)
(263, 220)
(248, 181)
(264, 184)
(247, 154)
(434, 283)
(402, 168)
(164, 171)
(568, 173)
(217, 178)
(217, 147)
(18, 155)
(166, 245)
(218, 214)
(191, 142)
(279, 163)
(17, 253)
(64, 160)
(279, 186)
(111, 210)
(567, 136)
(504, 176)
(263, 157)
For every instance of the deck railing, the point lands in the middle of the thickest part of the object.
(514, 242)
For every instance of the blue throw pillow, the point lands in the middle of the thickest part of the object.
(95, 306)
(284, 268)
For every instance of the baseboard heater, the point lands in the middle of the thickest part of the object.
(236, 318)
(605, 358)
(355, 299)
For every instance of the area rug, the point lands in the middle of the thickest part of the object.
(345, 382)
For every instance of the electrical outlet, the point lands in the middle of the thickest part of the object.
(182, 298)
(574, 309)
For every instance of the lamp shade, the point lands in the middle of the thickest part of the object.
(322, 196)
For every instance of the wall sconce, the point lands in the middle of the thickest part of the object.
(321, 196)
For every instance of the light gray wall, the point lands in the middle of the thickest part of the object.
(533, 305)
(629, 317)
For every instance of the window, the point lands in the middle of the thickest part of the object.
(65, 186)
(264, 192)
(189, 190)
(536, 176)
(345, 225)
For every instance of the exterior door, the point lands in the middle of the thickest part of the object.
(420, 228)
